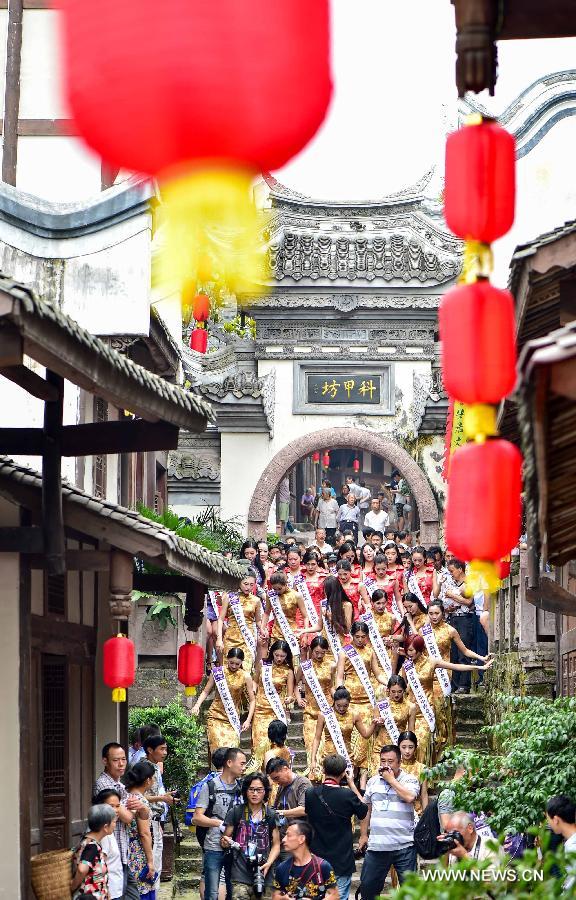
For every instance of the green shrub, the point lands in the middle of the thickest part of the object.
(534, 760)
(185, 738)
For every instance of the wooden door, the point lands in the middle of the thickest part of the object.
(54, 719)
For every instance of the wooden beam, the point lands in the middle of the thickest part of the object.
(20, 539)
(11, 346)
(52, 514)
(163, 584)
(551, 597)
(12, 91)
(129, 436)
(21, 441)
(30, 381)
(77, 561)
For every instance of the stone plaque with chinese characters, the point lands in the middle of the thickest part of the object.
(347, 388)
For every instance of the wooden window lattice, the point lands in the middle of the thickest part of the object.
(99, 477)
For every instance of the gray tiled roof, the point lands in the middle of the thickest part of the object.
(31, 315)
(524, 251)
(174, 552)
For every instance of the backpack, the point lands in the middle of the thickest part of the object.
(426, 832)
(193, 796)
(202, 830)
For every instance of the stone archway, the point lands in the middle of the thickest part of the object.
(353, 438)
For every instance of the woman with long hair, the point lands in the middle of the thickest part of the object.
(339, 607)
(320, 674)
(413, 649)
(314, 578)
(414, 618)
(403, 712)
(351, 724)
(290, 603)
(349, 586)
(367, 555)
(242, 613)
(347, 550)
(252, 821)
(138, 781)
(222, 715)
(274, 680)
(249, 551)
(358, 671)
(407, 744)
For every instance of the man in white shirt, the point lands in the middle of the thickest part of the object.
(388, 829)
(364, 501)
(320, 542)
(561, 817)
(328, 511)
(354, 488)
(110, 847)
(377, 518)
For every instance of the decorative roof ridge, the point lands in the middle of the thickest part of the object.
(523, 251)
(217, 562)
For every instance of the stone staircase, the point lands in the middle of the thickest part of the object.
(469, 719)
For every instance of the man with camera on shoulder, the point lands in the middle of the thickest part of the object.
(303, 875)
(462, 841)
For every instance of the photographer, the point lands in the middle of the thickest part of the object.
(390, 796)
(251, 826)
(462, 841)
(303, 874)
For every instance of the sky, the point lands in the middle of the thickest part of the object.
(395, 96)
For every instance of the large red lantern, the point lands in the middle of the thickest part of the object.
(201, 307)
(316, 457)
(190, 666)
(483, 513)
(326, 459)
(479, 192)
(199, 340)
(190, 92)
(477, 331)
(119, 666)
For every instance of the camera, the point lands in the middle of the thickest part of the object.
(255, 860)
(449, 841)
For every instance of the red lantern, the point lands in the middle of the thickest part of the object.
(316, 457)
(201, 307)
(483, 514)
(119, 666)
(199, 340)
(356, 465)
(479, 194)
(191, 91)
(477, 331)
(190, 666)
(326, 460)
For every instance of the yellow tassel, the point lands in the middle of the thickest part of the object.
(482, 576)
(477, 262)
(119, 695)
(189, 690)
(479, 422)
(212, 231)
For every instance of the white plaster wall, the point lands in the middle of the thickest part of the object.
(40, 92)
(245, 456)
(9, 698)
(57, 168)
(3, 36)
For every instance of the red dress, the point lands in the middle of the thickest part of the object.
(353, 594)
(425, 583)
(317, 594)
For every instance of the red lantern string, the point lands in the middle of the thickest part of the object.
(119, 666)
(356, 465)
(199, 340)
(316, 457)
(326, 460)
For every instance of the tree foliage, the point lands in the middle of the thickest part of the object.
(535, 759)
(207, 528)
(186, 741)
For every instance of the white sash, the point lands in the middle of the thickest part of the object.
(272, 693)
(395, 609)
(369, 584)
(213, 597)
(427, 632)
(331, 635)
(386, 714)
(361, 671)
(302, 588)
(226, 698)
(249, 636)
(482, 827)
(280, 617)
(314, 685)
(419, 694)
(377, 643)
(336, 734)
(414, 588)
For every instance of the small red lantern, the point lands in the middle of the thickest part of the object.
(201, 307)
(199, 340)
(477, 331)
(119, 666)
(326, 459)
(479, 194)
(316, 457)
(356, 465)
(503, 567)
(190, 666)
(483, 513)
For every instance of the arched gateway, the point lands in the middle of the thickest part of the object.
(354, 438)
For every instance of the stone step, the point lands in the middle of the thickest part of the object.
(469, 726)
(471, 741)
(468, 706)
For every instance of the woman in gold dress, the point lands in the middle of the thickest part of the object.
(219, 729)
(384, 620)
(282, 670)
(324, 667)
(404, 715)
(291, 602)
(351, 725)
(252, 609)
(360, 701)
(415, 649)
(445, 634)
(407, 744)
(277, 733)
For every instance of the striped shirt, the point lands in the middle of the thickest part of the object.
(391, 818)
(106, 782)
